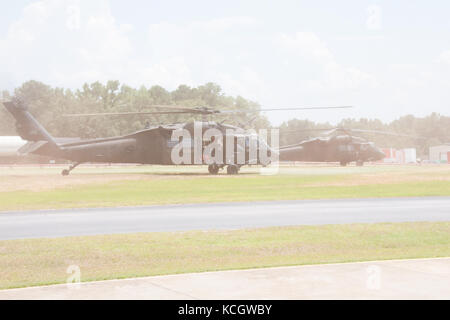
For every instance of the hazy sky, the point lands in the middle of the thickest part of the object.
(387, 58)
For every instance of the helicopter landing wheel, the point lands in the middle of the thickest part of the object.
(359, 163)
(66, 172)
(213, 169)
(343, 163)
(232, 169)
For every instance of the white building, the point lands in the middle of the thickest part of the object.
(408, 155)
(440, 153)
(9, 145)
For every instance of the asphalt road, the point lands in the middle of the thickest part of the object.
(73, 222)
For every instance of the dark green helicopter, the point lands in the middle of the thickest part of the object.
(153, 145)
(337, 145)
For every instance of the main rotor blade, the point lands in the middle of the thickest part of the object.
(306, 108)
(283, 109)
(209, 110)
(196, 110)
(348, 131)
(282, 131)
(122, 113)
(175, 107)
(386, 133)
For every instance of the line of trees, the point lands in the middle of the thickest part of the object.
(48, 104)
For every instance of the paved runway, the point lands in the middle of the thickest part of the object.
(58, 223)
(394, 279)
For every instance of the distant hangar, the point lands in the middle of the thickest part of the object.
(440, 154)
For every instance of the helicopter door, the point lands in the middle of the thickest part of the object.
(346, 152)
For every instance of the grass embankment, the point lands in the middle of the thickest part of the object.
(312, 183)
(45, 261)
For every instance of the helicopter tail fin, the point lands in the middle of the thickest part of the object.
(27, 126)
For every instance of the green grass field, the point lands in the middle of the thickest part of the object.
(34, 262)
(45, 261)
(105, 187)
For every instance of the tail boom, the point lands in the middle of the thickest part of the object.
(31, 130)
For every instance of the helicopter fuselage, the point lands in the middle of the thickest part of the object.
(342, 149)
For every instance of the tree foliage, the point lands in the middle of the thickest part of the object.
(49, 105)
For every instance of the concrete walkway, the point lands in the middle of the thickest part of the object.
(394, 279)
